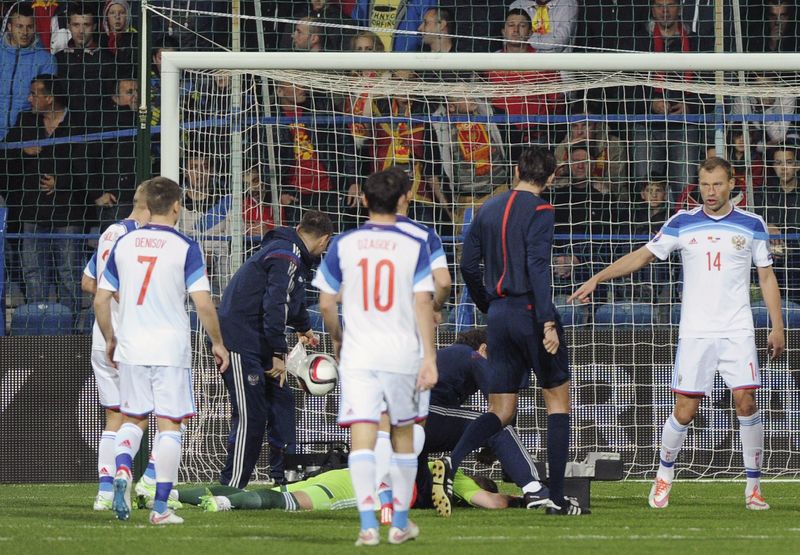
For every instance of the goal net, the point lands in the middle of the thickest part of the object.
(258, 140)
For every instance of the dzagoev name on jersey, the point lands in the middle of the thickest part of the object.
(149, 243)
(382, 244)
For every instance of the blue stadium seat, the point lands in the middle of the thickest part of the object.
(42, 319)
(571, 314)
(791, 314)
(625, 314)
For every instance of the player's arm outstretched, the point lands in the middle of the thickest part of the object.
(626, 265)
(208, 317)
(776, 342)
(423, 306)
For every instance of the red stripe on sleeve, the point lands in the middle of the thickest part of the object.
(546, 206)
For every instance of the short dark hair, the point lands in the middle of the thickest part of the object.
(444, 14)
(783, 147)
(518, 11)
(536, 164)
(53, 86)
(162, 193)
(714, 162)
(316, 223)
(81, 8)
(384, 188)
(25, 9)
(472, 338)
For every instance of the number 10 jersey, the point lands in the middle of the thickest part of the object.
(377, 269)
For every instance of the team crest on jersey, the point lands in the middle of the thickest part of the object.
(738, 242)
(252, 379)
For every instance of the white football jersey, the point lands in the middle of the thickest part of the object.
(717, 256)
(153, 268)
(377, 269)
(429, 236)
(97, 265)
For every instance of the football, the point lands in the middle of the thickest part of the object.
(317, 373)
(321, 376)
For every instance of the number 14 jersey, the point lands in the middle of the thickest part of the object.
(377, 269)
(717, 256)
(153, 268)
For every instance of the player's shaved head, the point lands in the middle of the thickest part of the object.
(140, 196)
(711, 164)
(383, 190)
(162, 194)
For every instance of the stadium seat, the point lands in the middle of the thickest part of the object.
(42, 319)
(625, 314)
(571, 314)
(791, 314)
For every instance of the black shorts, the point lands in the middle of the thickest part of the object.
(515, 348)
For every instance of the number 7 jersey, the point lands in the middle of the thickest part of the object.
(717, 256)
(152, 268)
(377, 269)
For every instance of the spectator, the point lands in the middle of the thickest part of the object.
(652, 210)
(257, 207)
(160, 45)
(308, 36)
(471, 154)
(772, 110)
(606, 151)
(775, 30)
(21, 59)
(81, 63)
(195, 27)
(437, 30)
(317, 164)
(584, 206)
(118, 32)
(553, 23)
(516, 32)
(479, 19)
(740, 163)
(114, 185)
(662, 146)
(610, 25)
(391, 15)
(778, 202)
(47, 193)
(322, 11)
(406, 143)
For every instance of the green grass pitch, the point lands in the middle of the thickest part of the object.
(703, 517)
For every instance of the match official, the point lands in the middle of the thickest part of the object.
(512, 236)
(264, 296)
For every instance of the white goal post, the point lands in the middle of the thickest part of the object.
(621, 372)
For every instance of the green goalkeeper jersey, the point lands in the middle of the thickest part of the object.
(333, 490)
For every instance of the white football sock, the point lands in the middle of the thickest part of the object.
(106, 465)
(383, 459)
(403, 471)
(672, 437)
(169, 457)
(362, 473)
(751, 430)
(129, 438)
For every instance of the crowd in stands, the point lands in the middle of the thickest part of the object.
(70, 100)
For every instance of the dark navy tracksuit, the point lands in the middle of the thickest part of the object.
(512, 235)
(462, 372)
(264, 296)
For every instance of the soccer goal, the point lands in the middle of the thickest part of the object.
(257, 139)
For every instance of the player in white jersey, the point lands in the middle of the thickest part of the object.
(106, 376)
(442, 283)
(718, 244)
(387, 352)
(151, 269)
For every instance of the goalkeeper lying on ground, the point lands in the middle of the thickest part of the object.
(329, 491)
